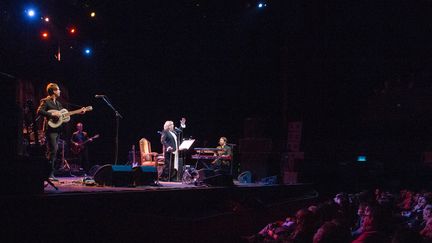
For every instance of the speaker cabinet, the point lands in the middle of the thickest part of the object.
(114, 175)
(144, 175)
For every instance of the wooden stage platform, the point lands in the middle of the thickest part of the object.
(76, 185)
(173, 212)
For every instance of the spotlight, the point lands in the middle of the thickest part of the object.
(262, 5)
(46, 19)
(92, 14)
(72, 30)
(45, 35)
(31, 13)
(87, 51)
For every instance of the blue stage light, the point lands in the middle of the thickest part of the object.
(262, 5)
(30, 12)
(87, 51)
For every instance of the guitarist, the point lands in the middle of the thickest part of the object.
(78, 139)
(52, 134)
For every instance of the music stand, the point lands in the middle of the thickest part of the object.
(184, 146)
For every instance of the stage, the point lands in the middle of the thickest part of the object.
(172, 212)
(76, 185)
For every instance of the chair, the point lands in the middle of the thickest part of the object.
(149, 158)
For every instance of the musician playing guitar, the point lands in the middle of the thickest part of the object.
(79, 140)
(50, 107)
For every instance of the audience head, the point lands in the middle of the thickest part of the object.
(422, 201)
(374, 217)
(427, 212)
(341, 199)
(305, 220)
(331, 232)
(313, 209)
(361, 209)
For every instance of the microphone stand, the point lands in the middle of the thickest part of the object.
(118, 116)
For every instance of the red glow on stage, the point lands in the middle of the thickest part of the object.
(45, 35)
(72, 30)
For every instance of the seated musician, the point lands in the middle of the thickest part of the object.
(225, 151)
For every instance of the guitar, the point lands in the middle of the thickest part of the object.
(65, 115)
(76, 149)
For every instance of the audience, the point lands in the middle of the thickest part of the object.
(332, 232)
(304, 229)
(370, 216)
(373, 225)
(426, 232)
(357, 228)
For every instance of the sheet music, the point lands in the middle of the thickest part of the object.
(186, 144)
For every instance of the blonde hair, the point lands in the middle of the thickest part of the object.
(167, 124)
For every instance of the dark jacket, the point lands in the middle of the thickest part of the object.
(45, 105)
(168, 140)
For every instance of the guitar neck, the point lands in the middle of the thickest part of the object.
(70, 113)
(88, 140)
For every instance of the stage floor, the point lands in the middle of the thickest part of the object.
(173, 212)
(76, 185)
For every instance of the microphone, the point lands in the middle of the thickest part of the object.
(177, 129)
(99, 96)
(159, 132)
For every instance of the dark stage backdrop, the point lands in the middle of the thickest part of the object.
(215, 65)
(356, 74)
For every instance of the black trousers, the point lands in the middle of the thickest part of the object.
(52, 147)
(169, 161)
